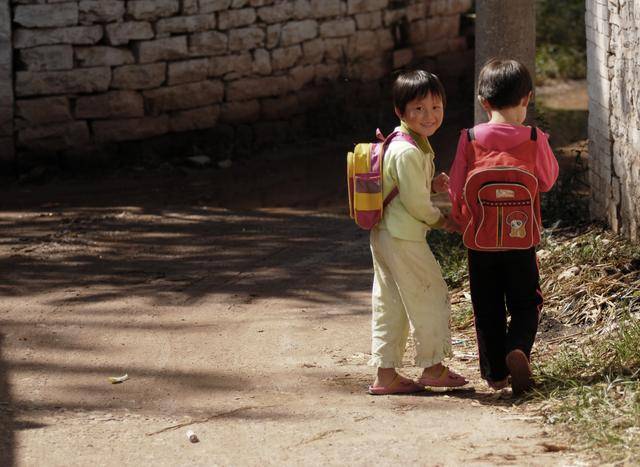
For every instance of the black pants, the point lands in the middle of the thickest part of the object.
(504, 281)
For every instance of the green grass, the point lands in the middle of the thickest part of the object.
(558, 61)
(593, 389)
(452, 256)
(560, 39)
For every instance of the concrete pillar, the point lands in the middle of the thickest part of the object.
(505, 29)
(6, 84)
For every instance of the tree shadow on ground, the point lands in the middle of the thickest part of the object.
(7, 424)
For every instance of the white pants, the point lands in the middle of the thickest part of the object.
(409, 294)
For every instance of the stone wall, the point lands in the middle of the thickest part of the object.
(90, 72)
(613, 41)
(6, 83)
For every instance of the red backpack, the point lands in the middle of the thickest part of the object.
(502, 202)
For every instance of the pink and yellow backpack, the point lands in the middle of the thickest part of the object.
(364, 179)
(502, 202)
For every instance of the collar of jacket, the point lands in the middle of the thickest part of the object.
(423, 143)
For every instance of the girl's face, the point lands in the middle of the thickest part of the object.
(423, 115)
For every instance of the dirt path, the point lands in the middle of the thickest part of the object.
(250, 327)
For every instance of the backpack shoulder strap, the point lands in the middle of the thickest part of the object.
(534, 133)
(395, 136)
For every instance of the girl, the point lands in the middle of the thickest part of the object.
(409, 292)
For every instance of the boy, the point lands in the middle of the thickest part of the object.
(408, 289)
(504, 279)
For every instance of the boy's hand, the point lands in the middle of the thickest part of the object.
(440, 183)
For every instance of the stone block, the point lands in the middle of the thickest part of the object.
(195, 119)
(286, 57)
(301, 76)
(302, 9)
(46, 16)
(185, 24)
(139, 76)
(252, 88)
(240, 64)
(338, 28)
(392, 17)
(364, 6)
(363, 44)
(236, 18)
(86, 80)
(55, 137)
(130, 129)
(189, 7)
(208, 43)
(335, 50)
(278, 13)
(100, 11)
(446, 26)
(188, 71)
(152, 10)
(262, 62)
(274, 31)
(113, 104)
(313, 51)
(47, 57)
(240, 112)
(122, 33)
(298, 31)
(385, 40)
(369, 20)
(416, 11)
(185, 96)
(210, 6)
(324, 8)
(103, 56)
(80, 35)
(43, 110)
(241, 40)
(170, 48)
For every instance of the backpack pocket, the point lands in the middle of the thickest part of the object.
(367, 200)
(506, 218)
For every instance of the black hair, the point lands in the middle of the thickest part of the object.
(504, 83)
(416, 84)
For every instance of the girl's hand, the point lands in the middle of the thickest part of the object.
(440, 183)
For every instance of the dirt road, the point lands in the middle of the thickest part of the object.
(248, 325)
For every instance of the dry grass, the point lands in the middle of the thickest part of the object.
(588, 349)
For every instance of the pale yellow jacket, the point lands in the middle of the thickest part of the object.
(411, 213)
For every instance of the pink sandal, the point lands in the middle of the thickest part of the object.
(397, 386)
(446, 379)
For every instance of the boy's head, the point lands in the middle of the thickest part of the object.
(504, 84)
(419, 100)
